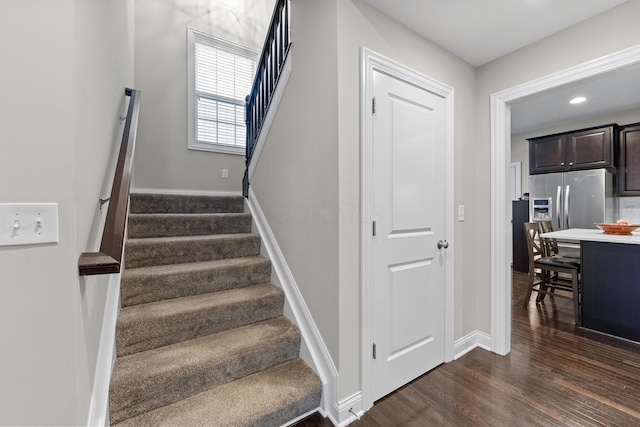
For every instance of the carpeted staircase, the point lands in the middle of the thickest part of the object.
(201, 339)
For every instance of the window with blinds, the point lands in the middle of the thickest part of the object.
(220, 77)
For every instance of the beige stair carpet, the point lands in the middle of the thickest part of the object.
(201, 339)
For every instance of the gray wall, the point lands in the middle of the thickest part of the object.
(104, 63)
(296, 179)
(162, 158)
(66, 65)
(308, 177)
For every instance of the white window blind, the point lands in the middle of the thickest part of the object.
(222, 77)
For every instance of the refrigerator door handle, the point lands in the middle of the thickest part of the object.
(558, 210)
(566, 206)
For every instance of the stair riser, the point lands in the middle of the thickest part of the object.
(148, 332)
(181, 225)
(292, 411)
(142, 253)
(155, 287)
(130, 400)
(166, 203)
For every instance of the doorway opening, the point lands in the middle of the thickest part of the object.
(500, 183)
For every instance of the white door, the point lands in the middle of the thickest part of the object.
(408, 210)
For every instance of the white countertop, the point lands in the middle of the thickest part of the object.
(593, 235)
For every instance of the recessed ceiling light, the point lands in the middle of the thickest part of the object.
(578, 100)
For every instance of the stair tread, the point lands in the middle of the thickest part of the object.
(145, 326)
(203, 237)
(147, 284)
(178, 356)
(191, 303)
(277, 395)
(145, 202)
(141, 252)
(189, 215)
(191, 266)
(187, 224)
(147, 380)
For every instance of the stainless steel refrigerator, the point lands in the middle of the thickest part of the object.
(576, 199)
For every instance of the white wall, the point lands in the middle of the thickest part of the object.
(520, 145)
(604, 34)
(162, 158)
(52, 77)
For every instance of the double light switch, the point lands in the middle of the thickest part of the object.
(28, 223)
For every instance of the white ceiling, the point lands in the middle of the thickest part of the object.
(608, 93)
(479, 31)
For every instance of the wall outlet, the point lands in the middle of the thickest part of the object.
(225, 173)
(28, 223)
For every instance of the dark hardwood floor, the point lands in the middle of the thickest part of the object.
(555, 375)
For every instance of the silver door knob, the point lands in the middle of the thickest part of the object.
(443, 244)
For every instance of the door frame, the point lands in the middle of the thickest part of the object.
(500, 195)
(369, 62)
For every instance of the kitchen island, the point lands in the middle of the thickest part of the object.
(610, 281)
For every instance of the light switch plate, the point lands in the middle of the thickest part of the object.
(460, 213)
(28, 223)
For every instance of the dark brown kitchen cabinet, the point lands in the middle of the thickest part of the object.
(546, 154)
(582, 149)
(629, 161)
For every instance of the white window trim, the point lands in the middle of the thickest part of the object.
(192, 142)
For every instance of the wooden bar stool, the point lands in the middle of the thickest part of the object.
(550, 265)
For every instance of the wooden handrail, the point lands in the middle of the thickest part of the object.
(109, 259)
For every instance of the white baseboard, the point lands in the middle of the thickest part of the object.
(99, 404)
(470, 341)
(186, 192)
(320, 359)
(348, 410)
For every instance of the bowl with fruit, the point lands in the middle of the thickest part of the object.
(621, 227)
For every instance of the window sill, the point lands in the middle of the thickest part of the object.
(212, 148)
